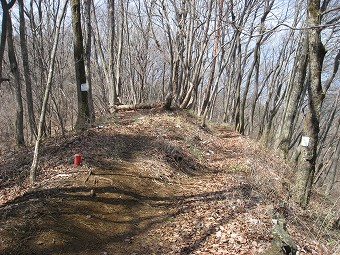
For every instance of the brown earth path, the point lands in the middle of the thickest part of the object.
(150, 183)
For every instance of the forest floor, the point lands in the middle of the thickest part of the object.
(153, 182)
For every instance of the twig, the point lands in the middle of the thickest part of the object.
(88, 176)
(96, 177)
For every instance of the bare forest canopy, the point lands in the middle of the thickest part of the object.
(268, 68)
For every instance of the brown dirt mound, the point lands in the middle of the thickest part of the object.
(150, 183)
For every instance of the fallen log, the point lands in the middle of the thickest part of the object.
(130, 107)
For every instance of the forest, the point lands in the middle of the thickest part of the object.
(180, 108)
(266, 68)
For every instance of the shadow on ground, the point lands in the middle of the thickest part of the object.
(73, 221)
(112, 210)
(101, 149)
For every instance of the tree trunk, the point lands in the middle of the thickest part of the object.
(241, 125)
(88, 50)
(173, 60)
(103, 65)
(131, 71)
(111, 67)
(208, 88)
(118, 82)
(26, 68)
(316, 53)
(333, 169)
(34, 165)
(196, 76)
(83, 117)
(19, 122)
(293, 97)
(5, 14)
(207, 99)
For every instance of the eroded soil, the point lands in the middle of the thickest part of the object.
(150, 183)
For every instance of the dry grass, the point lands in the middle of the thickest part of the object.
(174, 188)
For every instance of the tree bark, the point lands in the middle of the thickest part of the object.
(293, 97)
(118, 81)
(333, 169)
(83, 117)
(111, 67)
(173, 60)
(316, 53)
(26, 68)
(88, 50)
(5, 14)
(19, 122)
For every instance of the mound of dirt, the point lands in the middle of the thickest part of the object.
(149, 183)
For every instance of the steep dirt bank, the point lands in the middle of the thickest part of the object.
(150, 183)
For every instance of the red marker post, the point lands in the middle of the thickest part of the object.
(77, 159)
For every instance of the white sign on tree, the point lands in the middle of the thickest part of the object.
(84, 87)
(305, 141)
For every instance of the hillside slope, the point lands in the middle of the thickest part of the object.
(150, 183)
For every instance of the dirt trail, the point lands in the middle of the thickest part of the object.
(152, 183)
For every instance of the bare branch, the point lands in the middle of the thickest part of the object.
(335, 70)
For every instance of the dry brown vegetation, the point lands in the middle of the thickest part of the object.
(155, 182)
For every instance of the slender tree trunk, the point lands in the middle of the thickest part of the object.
(324, 162)
(228, 88)
(99, 49)
(26, 68)
(5, 14)
(169, 95)
(237, 95)
(111, 67)
(133, 90)
(118, 82)
(207, 98)
(335, 70)
(88, 51)
(241, 125)
(36, 155)
(254, 97)
(207, 89)
(196, 78)
(102, 73)
(19, 122)
(328, 124)
(292, 99)
(333, 169)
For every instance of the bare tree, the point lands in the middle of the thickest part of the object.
(88, 51)
(26, 68)
(5, 14)
(19, 122)
(195, 77)
(241, 121)
(111, 67)
(118, 80)
(207, 95)
(36, 155)
(296, 87)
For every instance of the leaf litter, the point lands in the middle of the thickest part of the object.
(151, 182)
